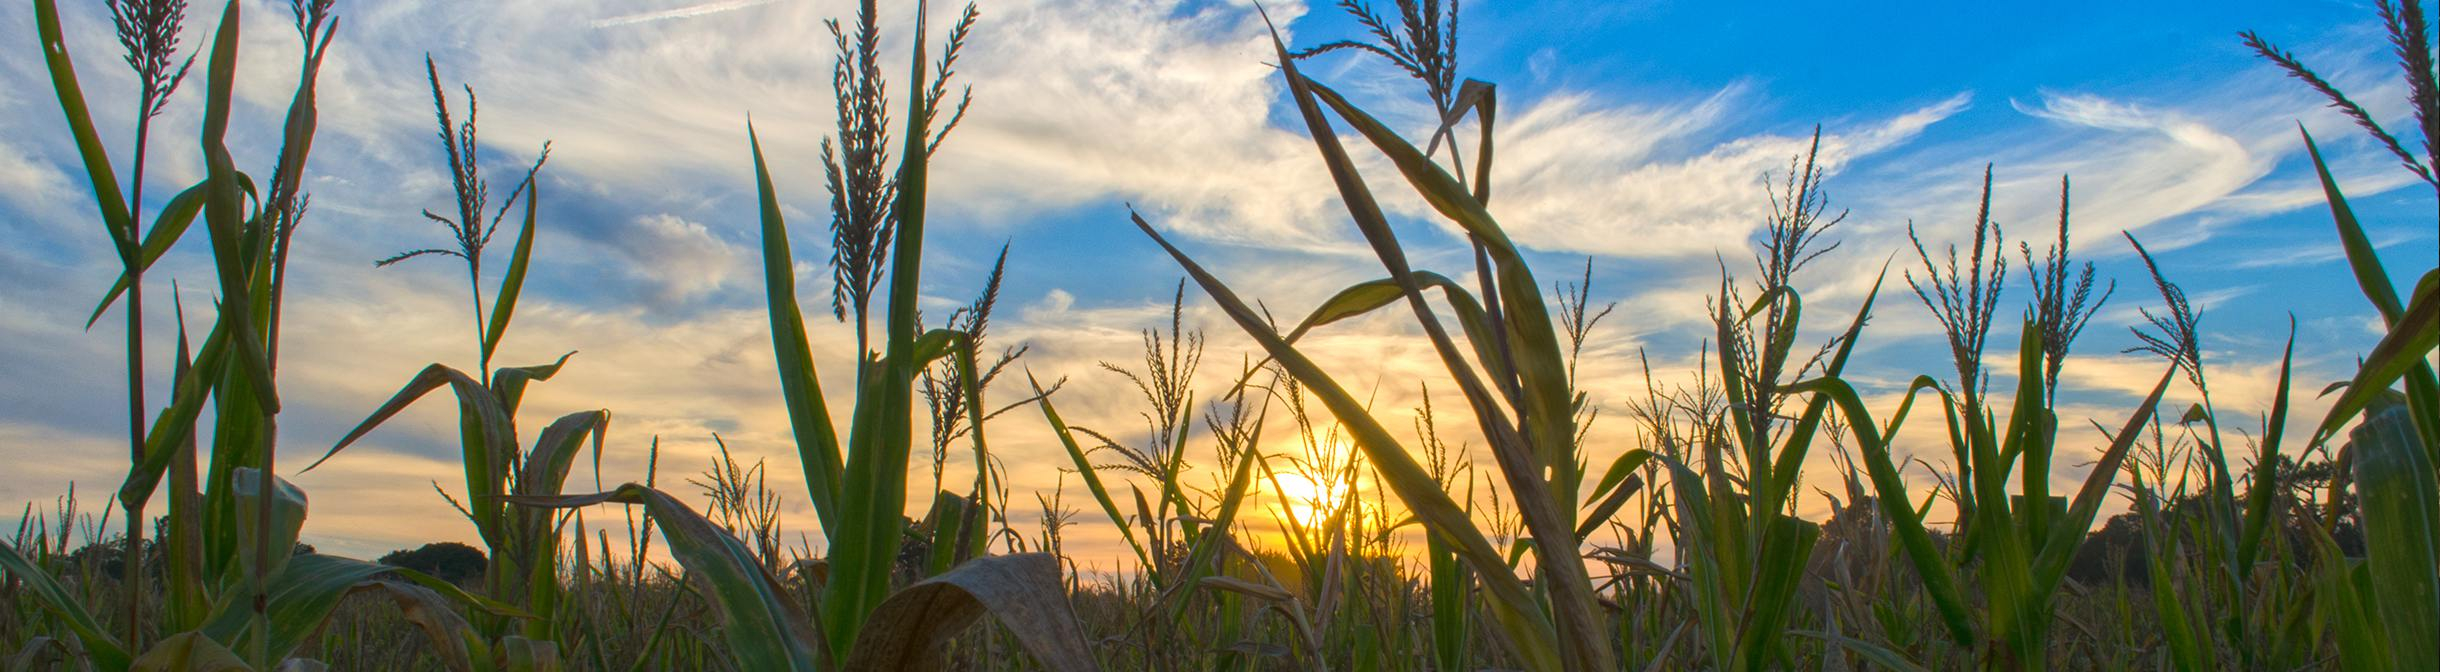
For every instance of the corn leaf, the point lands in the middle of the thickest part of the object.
(172, 224)
(509, 382)
(490, 439)
(2398, 353)
(2401, 515)
(1905, 521)
(1092, 476)
(1516, 608)
(2370, 275)
(189, 652)
(505, 302)
(106, 651)
(817, 441)
(762, 625)
(99, 171)
(911, 630)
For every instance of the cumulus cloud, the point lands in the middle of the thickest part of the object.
(674, 259)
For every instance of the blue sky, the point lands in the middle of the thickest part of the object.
(1636, 133)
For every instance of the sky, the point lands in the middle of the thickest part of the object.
(1637, 135)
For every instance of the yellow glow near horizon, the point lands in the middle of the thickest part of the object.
(1305, 499)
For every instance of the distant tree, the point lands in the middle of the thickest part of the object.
(2119, 542)
(446, 560)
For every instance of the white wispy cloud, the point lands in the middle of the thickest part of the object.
(1592, 179)
(685, 12)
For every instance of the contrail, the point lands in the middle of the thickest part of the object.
(686, 12)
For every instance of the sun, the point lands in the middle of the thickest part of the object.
(1306, 499)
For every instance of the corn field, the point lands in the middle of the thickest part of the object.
(1397, 548)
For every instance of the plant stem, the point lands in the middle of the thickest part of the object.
(132, 566)
(482, 343)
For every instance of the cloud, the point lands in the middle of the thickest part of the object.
(686, 12)
(20, 173)
(674, 259)
(1594, 179)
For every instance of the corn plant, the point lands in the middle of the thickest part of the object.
(523, 562)
(2014, 547)
(2230, 534)
(1526, 409)
(149, 32)
(227, 590)
(1180, 535)
(1743, 551)
(860, 495)
(2385, 607)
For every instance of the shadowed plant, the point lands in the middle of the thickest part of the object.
(524, 545)
(2384, 607)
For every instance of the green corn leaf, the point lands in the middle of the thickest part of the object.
(1532, 341)
(489, 433)
(2060, 550)
(2401, 514)
(2185, 647)
(452, 639)
(1745, 420)
(509, 382)
(1092, 477)
(1202, 558)
(1791, 458)
(189, 652)
(912, 629)
(223, 204)
(1905, 521)
(546, 466)
(308, 589)
(1619, 484)
(1530, 347)
(2397, 354)
(1482, 98)
(175, 426)
(1785, 552)
(106, 651)
(2370, 275)
(183, 579)
(1365, 297)
(1449, 621)
(947, 524)
(2031, 429)
(505, 302)
(297, 131)
(165, 232)
(1515, 606)
(99, 171)
(1625, 465)
(287, 509)
(2362, 257)
(761, 624)
(2265, 483)
(2341, 587)
(880, 436)
(544, 473)
(817, 441)
(1707, 543)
